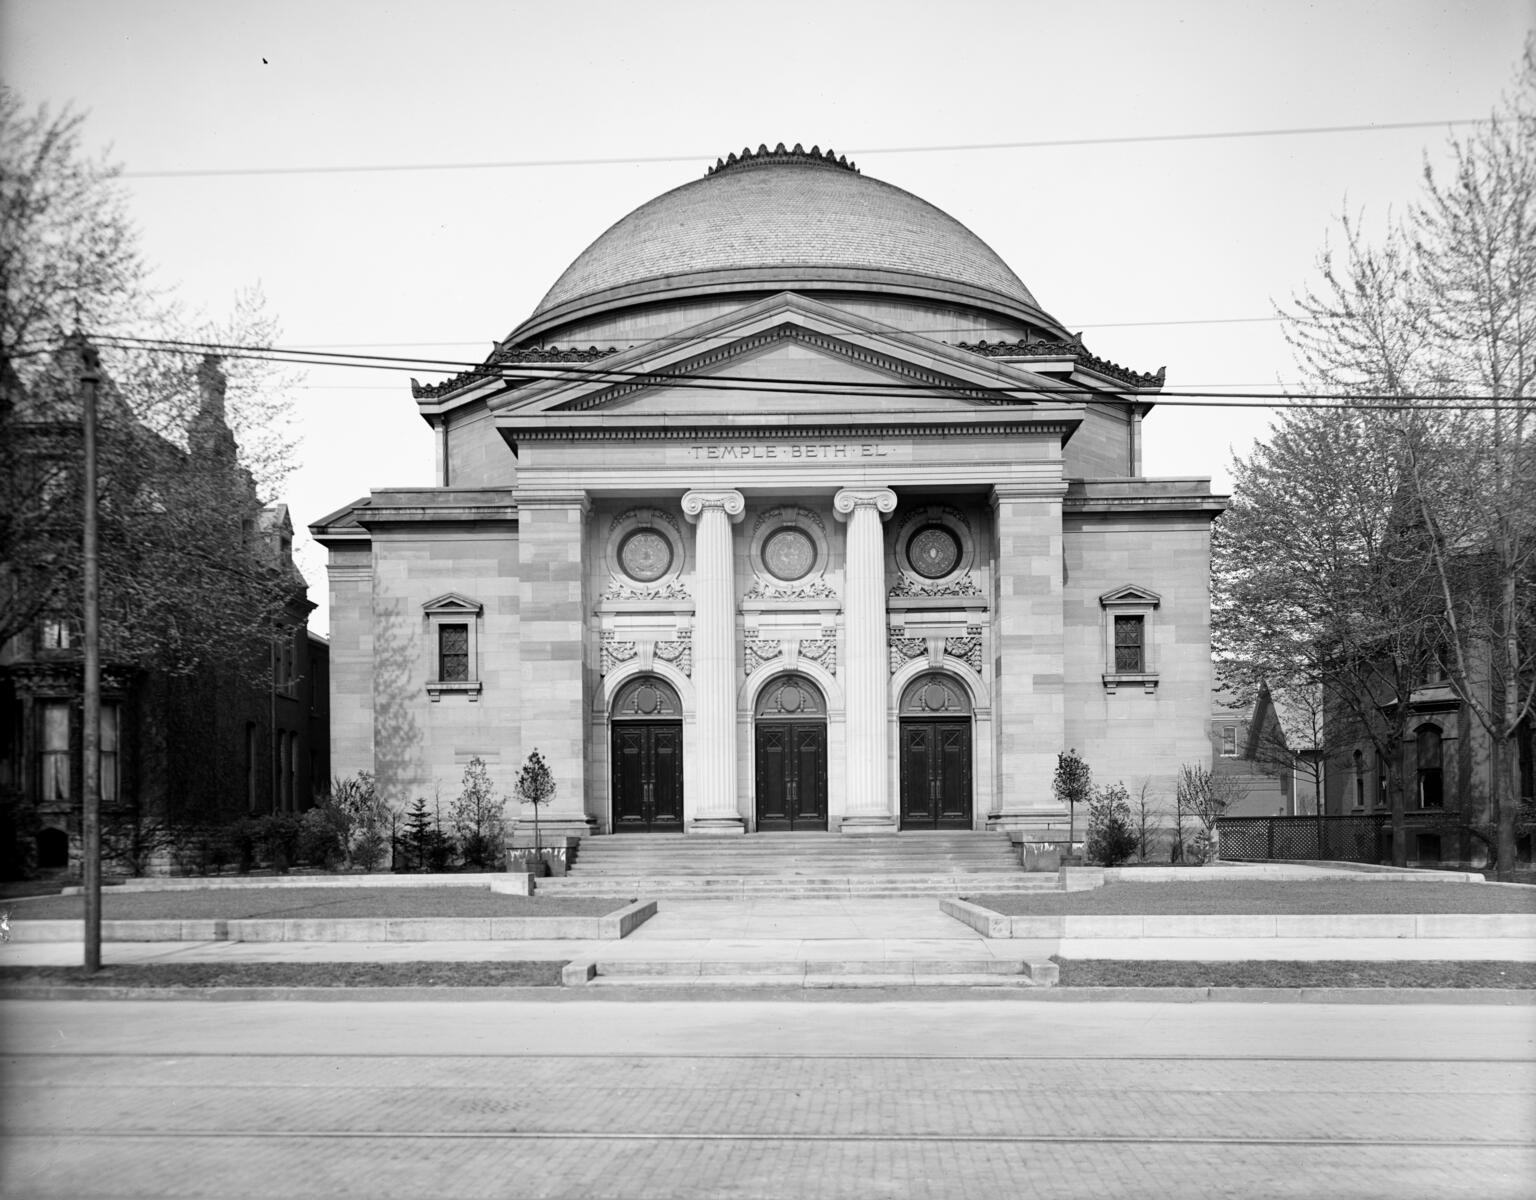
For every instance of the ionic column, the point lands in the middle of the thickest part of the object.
(866, 676)
(714, 659)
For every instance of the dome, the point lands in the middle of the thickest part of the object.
(779, 220)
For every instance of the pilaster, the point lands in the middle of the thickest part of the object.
(555, 688)
(1029, 686)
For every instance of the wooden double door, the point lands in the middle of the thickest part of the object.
(791, 774)
(935, 773)
(647, 776)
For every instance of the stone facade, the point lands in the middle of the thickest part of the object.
(774, 472)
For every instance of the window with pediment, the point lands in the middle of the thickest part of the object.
(453, 646)
(1129, 660)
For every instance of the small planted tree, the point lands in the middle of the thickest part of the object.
(1110, 840)
(1074, 786)
(478, 820)
(535, 786)
(419, 835)
(1203, 797)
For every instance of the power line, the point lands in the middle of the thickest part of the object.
(556, 373)
(639, 160)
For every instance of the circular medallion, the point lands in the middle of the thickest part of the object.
(645, 555)
(933, 552)
(789, 554)
(647, 699)
(790, 698)
(935, 697)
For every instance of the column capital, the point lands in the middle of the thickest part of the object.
(727, 500)
(882, 500)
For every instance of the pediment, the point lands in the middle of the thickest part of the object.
(452, 602)
(1130, 594)
(788, 357)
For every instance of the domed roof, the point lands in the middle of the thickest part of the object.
(781, 219)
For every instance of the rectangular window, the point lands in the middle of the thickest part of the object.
(1129, 659)
(1229, 741)
(107, 749)
(55, 634)
(453, 653)
(55, 757)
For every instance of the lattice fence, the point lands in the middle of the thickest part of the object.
(1363, 839)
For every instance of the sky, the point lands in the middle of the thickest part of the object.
(1175, 253)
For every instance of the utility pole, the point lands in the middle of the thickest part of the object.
(90, 773)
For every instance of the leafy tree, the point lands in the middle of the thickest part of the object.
(536, 786)
(365, 818)
(176, 519)
(1110, 839)
(478, 819)
(1073, 785)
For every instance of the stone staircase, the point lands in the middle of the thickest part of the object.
(796, 865)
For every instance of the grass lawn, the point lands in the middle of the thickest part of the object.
(279, 974)
(1253, 898)
(293, 903)
(1116, 973)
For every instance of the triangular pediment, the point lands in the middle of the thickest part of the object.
(788, 359)
(452, 602)
(1130, 594)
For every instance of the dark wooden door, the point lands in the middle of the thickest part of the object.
(647, 776)
(791, 775)
(935, 774)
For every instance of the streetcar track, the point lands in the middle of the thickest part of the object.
(1025, 1139)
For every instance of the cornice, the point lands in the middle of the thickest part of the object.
(1073, 349)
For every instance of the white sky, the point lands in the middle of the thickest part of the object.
(442, 262)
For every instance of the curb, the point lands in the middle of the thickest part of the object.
(1501, 997)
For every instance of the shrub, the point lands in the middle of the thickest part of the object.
(1111, 839)
(322, 837)
(361, 818)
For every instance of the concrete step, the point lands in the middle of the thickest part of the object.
(814, 982)
(794, 888)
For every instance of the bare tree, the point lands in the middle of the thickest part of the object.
(1203, 797)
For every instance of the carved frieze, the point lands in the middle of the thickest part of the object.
(612, 652)
(761, 650)
(678, 652)
(623, 589)
(907, 585)
(966, 649)
(904, 649)
(814, 589)
(823, 652)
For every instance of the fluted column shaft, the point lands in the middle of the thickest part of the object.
(714, 659)
(866, 674)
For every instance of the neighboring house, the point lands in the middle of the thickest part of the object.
(194, 744)
(788, 508)
(1249, 745)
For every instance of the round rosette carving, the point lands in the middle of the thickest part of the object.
(934, 550)
(645, 553)
(788, 552)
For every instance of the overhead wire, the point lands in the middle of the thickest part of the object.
(640, 160)
(571, 373)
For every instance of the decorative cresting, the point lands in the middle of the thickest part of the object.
(750, 158)
(1074, 350)
(714, 623)
(868, 799)
(935, 550)
(935, 695)
(788, 553)
(791, 697)
(507, 355)
(646, 699)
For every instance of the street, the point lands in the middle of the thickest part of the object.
(770, 1097)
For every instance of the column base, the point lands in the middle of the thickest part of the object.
(717, 826)
(868, 826)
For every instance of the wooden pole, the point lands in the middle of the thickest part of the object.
(90, 773)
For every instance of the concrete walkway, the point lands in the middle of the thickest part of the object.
(697, 938)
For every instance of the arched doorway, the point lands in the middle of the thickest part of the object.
(647, 758)
(935, 754)
(791, 755)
